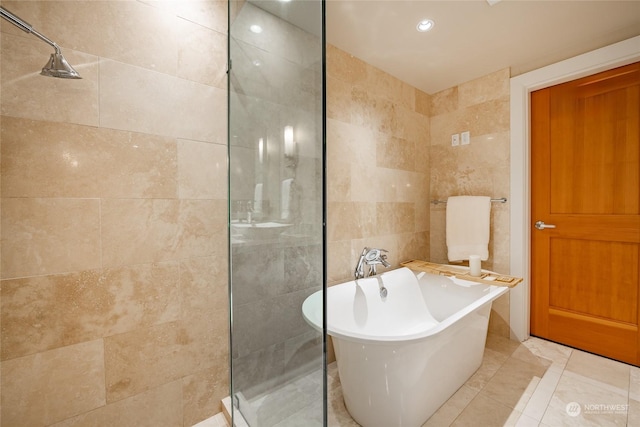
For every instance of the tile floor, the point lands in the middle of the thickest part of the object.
(534, 383)
(217, 420)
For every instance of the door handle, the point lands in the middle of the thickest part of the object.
(540, 225)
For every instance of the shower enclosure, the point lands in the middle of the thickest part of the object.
(276, 210)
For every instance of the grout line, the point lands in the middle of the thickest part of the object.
(100, 234)
(477, 392)
(548, 395)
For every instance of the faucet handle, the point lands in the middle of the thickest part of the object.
(372, 257)
(383, 261)
(373, 254)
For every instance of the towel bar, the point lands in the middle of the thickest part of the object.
(500, 200)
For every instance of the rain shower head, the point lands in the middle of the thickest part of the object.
(57, 65)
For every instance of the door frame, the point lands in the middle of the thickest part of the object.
(615, 55)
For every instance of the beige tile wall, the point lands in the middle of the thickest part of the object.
(389, 153)
(113, 202)
(481, 107)
(378, 165)
(114, 251)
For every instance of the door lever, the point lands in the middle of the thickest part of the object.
(540, 225)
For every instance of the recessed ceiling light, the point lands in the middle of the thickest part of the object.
(425, 25)
(255, 29)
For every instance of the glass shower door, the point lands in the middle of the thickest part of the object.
(276, 211)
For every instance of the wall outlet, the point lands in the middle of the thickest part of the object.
(455, 140)
(465, 138)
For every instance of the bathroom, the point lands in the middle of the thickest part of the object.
(115, 250)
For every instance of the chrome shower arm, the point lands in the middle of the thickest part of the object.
(46, 40)
(23, 25)
(27, 28)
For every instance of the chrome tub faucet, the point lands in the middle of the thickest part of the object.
(371, 257)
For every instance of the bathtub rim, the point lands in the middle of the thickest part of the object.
(312, 313)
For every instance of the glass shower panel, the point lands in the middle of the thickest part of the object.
(276, 207)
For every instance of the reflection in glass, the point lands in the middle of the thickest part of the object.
(276, 211)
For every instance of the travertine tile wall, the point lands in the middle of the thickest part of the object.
(114, 249)
(389, 153)
(113, 202)
(377, 165)
(481, 168)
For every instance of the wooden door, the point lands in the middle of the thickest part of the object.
(585, 181)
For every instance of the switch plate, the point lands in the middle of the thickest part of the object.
(455, 140)
(465, 138)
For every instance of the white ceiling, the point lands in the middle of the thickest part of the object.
(472, 38)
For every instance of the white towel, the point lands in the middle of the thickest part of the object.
(467, 227)
(257, 199)
(285, 201)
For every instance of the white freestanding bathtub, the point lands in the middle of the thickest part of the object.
(401, 357)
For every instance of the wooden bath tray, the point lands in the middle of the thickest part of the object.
(487, 278)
